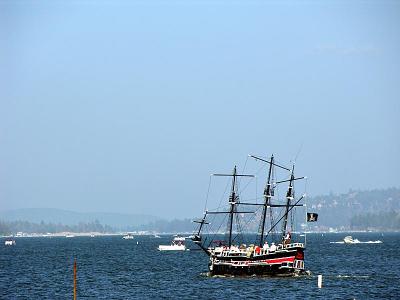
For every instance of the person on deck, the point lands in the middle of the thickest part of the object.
(272, 248)
(265, 247)
(288, 238)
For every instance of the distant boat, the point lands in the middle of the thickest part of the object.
(177, 244)
(69, 236)
(9, 242)
(349, 240)
(128, 236)
(92, 235)
(157, 236)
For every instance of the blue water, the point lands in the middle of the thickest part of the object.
(113, 268)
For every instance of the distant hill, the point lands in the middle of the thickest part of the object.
(341, 211)
(338, 210)
(66, 217)
(352, 210)
(377, 221)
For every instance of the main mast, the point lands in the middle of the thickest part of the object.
(232, 202)
(267, 198)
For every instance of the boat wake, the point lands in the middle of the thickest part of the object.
(352, 276)
(358, 242)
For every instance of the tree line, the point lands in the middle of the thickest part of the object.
(12, 227)
(378, 221)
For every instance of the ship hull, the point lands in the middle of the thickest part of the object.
(288, 262)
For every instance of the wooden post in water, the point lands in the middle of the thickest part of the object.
(74, 279)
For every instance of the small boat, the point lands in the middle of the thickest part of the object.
(69, 236)
(157, 236)
(349, 240)
(128, 236)
(9, 242)
(177, 244)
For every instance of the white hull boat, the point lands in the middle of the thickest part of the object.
(172, 247)
(178, 244)
(129, 236)
(349, 240)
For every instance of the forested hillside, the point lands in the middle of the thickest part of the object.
(357, 210)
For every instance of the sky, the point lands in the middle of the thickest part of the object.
(129, 106)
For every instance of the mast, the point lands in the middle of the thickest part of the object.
(202, 222)
(267, 198)
(289, 198)
(232, 202)
(197, 237)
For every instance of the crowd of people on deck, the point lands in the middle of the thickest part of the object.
(256, 250)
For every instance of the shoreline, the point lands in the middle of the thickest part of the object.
(101, 234)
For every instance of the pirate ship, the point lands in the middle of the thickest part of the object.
(273, 252)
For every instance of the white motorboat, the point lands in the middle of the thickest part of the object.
(9, 242)
(177, 244)
(128, 236)
(69, 235)
(349, 240)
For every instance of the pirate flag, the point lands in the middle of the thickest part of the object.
(312, 217)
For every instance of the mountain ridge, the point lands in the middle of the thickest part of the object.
(68, 217)
(335, 211)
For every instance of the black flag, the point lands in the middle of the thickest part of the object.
(312, 217)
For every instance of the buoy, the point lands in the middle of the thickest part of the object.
(137, 243)
(320, 281)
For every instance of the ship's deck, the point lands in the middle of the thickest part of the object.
(254, 251)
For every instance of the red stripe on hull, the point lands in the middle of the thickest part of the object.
(280, 260)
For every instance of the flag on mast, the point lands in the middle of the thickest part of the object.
(312, 217)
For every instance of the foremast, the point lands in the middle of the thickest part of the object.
(233, 202)
(197, 237)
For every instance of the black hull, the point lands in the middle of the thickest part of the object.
(288, 262)
(265, 270)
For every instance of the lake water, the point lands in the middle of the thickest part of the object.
(113, 268)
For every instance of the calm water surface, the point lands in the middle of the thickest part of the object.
(113, 268)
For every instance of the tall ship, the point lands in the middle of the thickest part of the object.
(276, 250)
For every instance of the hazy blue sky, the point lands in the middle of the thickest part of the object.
(128, 106)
